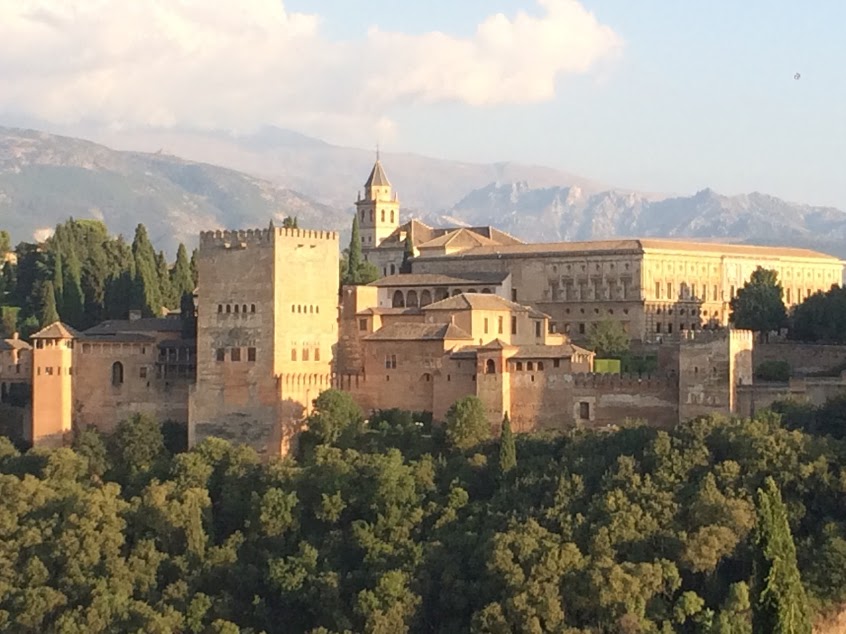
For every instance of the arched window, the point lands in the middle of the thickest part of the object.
(299, 308)
(440, 294)
(540, 366)
(486, 291)
(519, 366)
(472, 290)
(425, 298)
(399, 300)
(237, 308)
(252, 308)
(530, 366)
(220, 308)
(427, 377)
(411, 300)
(456, 292)
(244, 308)
(228, 308)
(490, 367)
(117, 373)
(383, 215)
(392, 215)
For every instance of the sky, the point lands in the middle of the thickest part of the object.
(654, 95)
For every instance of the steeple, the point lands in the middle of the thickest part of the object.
(377, 176)
(378, 210)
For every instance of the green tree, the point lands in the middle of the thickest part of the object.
(290, 222)
(507, 448)
(58, 280)
(48, 313)
(180, 274)
(779, 605)
(608, 338)
(466, 423)
(758, 305)
(73, 299)
(195, 275)
(335, 413)
(355, 270)
(147, 286)
(407, 254)
(5, 243)
(165, 287)
(821, 317)
(136, 445)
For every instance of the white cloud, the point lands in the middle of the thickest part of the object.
(238, 65)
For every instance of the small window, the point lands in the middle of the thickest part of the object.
(237, 309)
(490, 367)
(530, 366)
(540, 366)
(317, 354)
(658, 327)
(293, 354)
(117, 373)
(519, 366)
(252, 308)
(513, 325)
(499, 325)
(142, 372)
(293, 308)
(244, 309)
(236, 354)
(513, 294)
(556, 363)
(584, 410)
(486, 325)
(537, 329)
(220, 354)
(305, 354)
(220, 308)
(228, 308)
(251, 354)
(362, 324)
(581, 329)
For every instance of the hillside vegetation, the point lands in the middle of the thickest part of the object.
(387, 526)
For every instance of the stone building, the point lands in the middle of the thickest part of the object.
(267, 327)
(656, 288)
(15, 369)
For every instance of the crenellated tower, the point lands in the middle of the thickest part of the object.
(378, 209)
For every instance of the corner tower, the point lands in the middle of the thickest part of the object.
(52, 383)
(378, 209)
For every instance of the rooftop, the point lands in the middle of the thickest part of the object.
(637, 246)
(435, 279)
(146, 324)
(416, 331)
(14, 344)
(422, 234)
(478, 301)
(377, 176)
(56, 330)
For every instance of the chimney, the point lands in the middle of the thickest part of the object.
(16, 335)
(134, 315)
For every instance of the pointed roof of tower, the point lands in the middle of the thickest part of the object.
(377, 176)
(56, 330)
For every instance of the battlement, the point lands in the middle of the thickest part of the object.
(244, 238)
(709, 336)
(627, 381)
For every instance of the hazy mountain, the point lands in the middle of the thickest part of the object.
(45, 178)
(569, 213)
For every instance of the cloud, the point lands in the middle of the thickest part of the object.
(239, 65)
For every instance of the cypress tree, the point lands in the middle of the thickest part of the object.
(147, 288)
(48, 313)
(780, 605)
(507, 448)
(58, 281)
(180, 274)
(354, 259)
(405, 267)
(165, 287)
(72, 307)
(194, 271)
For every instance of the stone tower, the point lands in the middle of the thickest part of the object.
(52, 384)
(266, 333)
(378, 210)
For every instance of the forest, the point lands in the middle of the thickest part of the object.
(393, 524)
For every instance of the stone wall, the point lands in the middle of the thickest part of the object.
(614, 399)
(804, 358)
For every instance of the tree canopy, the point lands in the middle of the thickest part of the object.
(758, 305)
(821, 317)
(608, 338)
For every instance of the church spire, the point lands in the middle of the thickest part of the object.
(377, 176)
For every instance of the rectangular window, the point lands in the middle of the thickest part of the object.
(670, 329)
(236, 354)
(305, 354)
(142, 372)
(49, 370)
(251, 354)
(537, 329)
(658, 327)
(657, 290)
(220, 354)
(584, 410)
(486, 325)
(499, 324)
(732, 292)
(513, 325)
(513, 294)
(788, 295)
(362, 324)
(670, 290)
(317, 354)
(556, 363)
(715, 292)
(293, 354)
(390, 362)
(393, 362)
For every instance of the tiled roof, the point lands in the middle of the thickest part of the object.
(564, 351)
(147, 324)
(435, 279)
(476, 301)
(377, 176)
(417, 331)
(14, 344)
(458, 238)
(117, 337)
(421, 233)
(379, 310)
(635, 246)
(56, 330)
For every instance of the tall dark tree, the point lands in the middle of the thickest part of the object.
(48, 313)
(290, 222)
(147, 287)
(188, 314)
(407, 254)
(195, 275)
(821, 317)
(354, 257)
(180, 274)
(72, 308)
(58, 279)
(165, 287)
(779, 605)
(758, 305)
(507, 448)
(5, 243)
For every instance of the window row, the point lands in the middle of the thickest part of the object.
(596, 311)
(305, 354)
(306, 309)
(53, 343)
(234, 354)
(411, 299)
(235, 308)
(382, 215)
(57, 371)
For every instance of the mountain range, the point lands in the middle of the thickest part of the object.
(178, 183)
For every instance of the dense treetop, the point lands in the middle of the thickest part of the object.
(387, 526)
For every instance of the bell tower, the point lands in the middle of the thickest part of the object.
(378, 209)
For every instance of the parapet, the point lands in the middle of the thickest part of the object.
(244, 238)
(633, 381)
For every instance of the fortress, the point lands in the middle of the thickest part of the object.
(480, 313)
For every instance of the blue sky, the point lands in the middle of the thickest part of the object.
(702, 95)
(669, 96)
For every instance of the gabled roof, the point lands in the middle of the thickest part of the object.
(459, 238)
(496, 344)
(56, 330)
(564, 351)
(476, 301)
(411, 331)
(377, 176)
(386, 310)
(421, 233)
